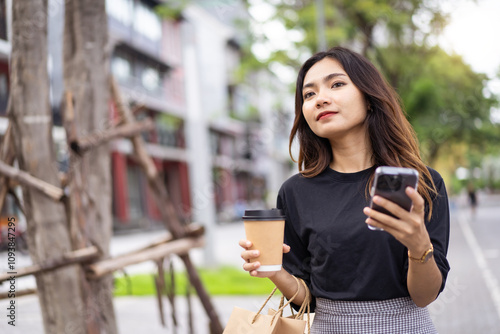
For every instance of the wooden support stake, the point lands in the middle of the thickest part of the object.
(99, 138)
(180, 246)
(190, 308)
(77, 256)
(170, 291)
(19, 293)
(137, 141)
(192, 231)
(159, 284)
(26, 179)
(194, 278)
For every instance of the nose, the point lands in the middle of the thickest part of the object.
(322, 99)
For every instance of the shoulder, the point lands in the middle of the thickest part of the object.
(302, 183)
(292, 183)
(436, 177)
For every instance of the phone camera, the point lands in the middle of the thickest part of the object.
(389, 182)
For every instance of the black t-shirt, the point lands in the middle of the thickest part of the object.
(333, 249)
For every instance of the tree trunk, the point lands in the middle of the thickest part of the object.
(86, 76)
(31, 121)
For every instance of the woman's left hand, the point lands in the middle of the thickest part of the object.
(410, 228)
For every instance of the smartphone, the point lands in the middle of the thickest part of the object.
(390, 183)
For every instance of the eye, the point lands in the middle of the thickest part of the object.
(338, 84)
(308, 95)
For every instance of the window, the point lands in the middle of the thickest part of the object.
(3, 20)
(147, 22)
(121, 10)
(135, 191)
(121, 68)
(4, 93)
(150, 79)
(170, 130)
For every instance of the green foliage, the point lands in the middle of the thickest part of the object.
(443, 96)
(445, 99)
(220, 281)
(353, 21)
(172, 9)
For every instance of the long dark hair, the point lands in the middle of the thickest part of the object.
(393, 140)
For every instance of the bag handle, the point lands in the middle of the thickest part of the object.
(280, 310)
(306, 306)
(307, 301)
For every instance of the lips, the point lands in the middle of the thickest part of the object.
(325, 114)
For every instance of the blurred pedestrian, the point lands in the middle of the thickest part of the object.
(348, 121)
(471, 193)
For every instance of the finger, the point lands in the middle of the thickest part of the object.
(245, 243)
(389, 228)
(253, 266)
(286, 248)
(248, 255)
(379, 219)
(374, 223)
(390, 206)
(417, 199)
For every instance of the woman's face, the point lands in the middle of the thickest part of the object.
(333, 106)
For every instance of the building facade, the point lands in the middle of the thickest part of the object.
(215, 138)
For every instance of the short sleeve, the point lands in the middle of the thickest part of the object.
(439, 228)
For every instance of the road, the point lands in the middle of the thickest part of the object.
(469, 304)
(471, 300)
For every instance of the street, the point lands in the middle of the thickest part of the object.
(469, 304)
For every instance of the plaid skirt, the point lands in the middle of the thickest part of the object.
(399, 315)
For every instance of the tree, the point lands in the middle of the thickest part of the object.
(70, 302)
(444, 97)
(31, 121)
(86, 76)
(354, 23)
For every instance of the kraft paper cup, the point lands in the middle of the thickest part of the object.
(265, 229)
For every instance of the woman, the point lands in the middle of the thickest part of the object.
(348, 121)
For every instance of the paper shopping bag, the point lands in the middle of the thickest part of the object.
(288, 325)
(243, 321)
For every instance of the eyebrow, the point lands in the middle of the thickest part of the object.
(325, 79)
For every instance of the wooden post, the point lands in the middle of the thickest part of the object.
(30, 181)
(78, 256)
(19, 293)
(99, 138)
(178, 246)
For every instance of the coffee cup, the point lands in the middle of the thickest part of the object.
(265, 229)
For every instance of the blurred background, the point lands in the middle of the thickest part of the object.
(217, 77)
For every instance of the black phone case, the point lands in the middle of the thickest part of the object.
(408, 178)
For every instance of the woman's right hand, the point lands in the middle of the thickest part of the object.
(248, 255)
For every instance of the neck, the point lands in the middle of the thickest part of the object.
(351, 155)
